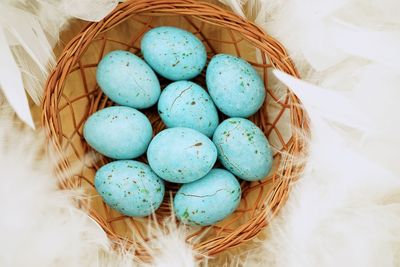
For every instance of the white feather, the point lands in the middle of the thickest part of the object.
(11, 82)
(242, 7)
(40, 224)
(344, 211)
(28, 33)
(31, 30)
(31, 49)
(86, 9)
(26, 62)
(379, 46)
(169, 248)
(331, 106)
(235, 5)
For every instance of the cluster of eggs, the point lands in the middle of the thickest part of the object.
(188, 149)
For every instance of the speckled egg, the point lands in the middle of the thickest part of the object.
(181, 155)
(209, 199)
(235, 86)
(118, 132)
(174, 53)
(243, 149)
(186, 104)
(127, 80)
(130, 187)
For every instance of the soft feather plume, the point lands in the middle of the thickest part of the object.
(324, 103)
(169, 248)
(345, 209)
(85, 9)
(235, 5)
(242, 7)
(42, 223)
(28, 32)
(12, 83)
(39, 221)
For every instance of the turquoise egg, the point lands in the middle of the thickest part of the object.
(181, 155)
(186, 104)
(174, 53)
(209, 199)
(235, 86)
(118, 132)
(243, 149)
(127, 80)
(130, 187)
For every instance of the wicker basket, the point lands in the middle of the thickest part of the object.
(72, 95)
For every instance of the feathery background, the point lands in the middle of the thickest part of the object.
(344, 211)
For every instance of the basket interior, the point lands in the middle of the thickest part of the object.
(81, 96)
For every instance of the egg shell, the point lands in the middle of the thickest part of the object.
(118, 132)
(130, 187)
(243, 149)
(186, 104)
(127, 80)
(235, 86)
(174, 53)
(181, 155)
(209, 199)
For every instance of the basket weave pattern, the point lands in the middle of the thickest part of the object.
(72, 95)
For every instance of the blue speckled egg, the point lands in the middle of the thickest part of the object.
(186, 104)
(235, 86)
(243, 149)
(207, 200)
(118, 132)
(130, 187)
(181, 155)
(174, 53)
(127, 80)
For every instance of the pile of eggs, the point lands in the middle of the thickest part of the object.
(194, 140)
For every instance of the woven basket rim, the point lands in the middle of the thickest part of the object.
(212, 14)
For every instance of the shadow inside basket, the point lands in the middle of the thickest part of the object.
(82, 97)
